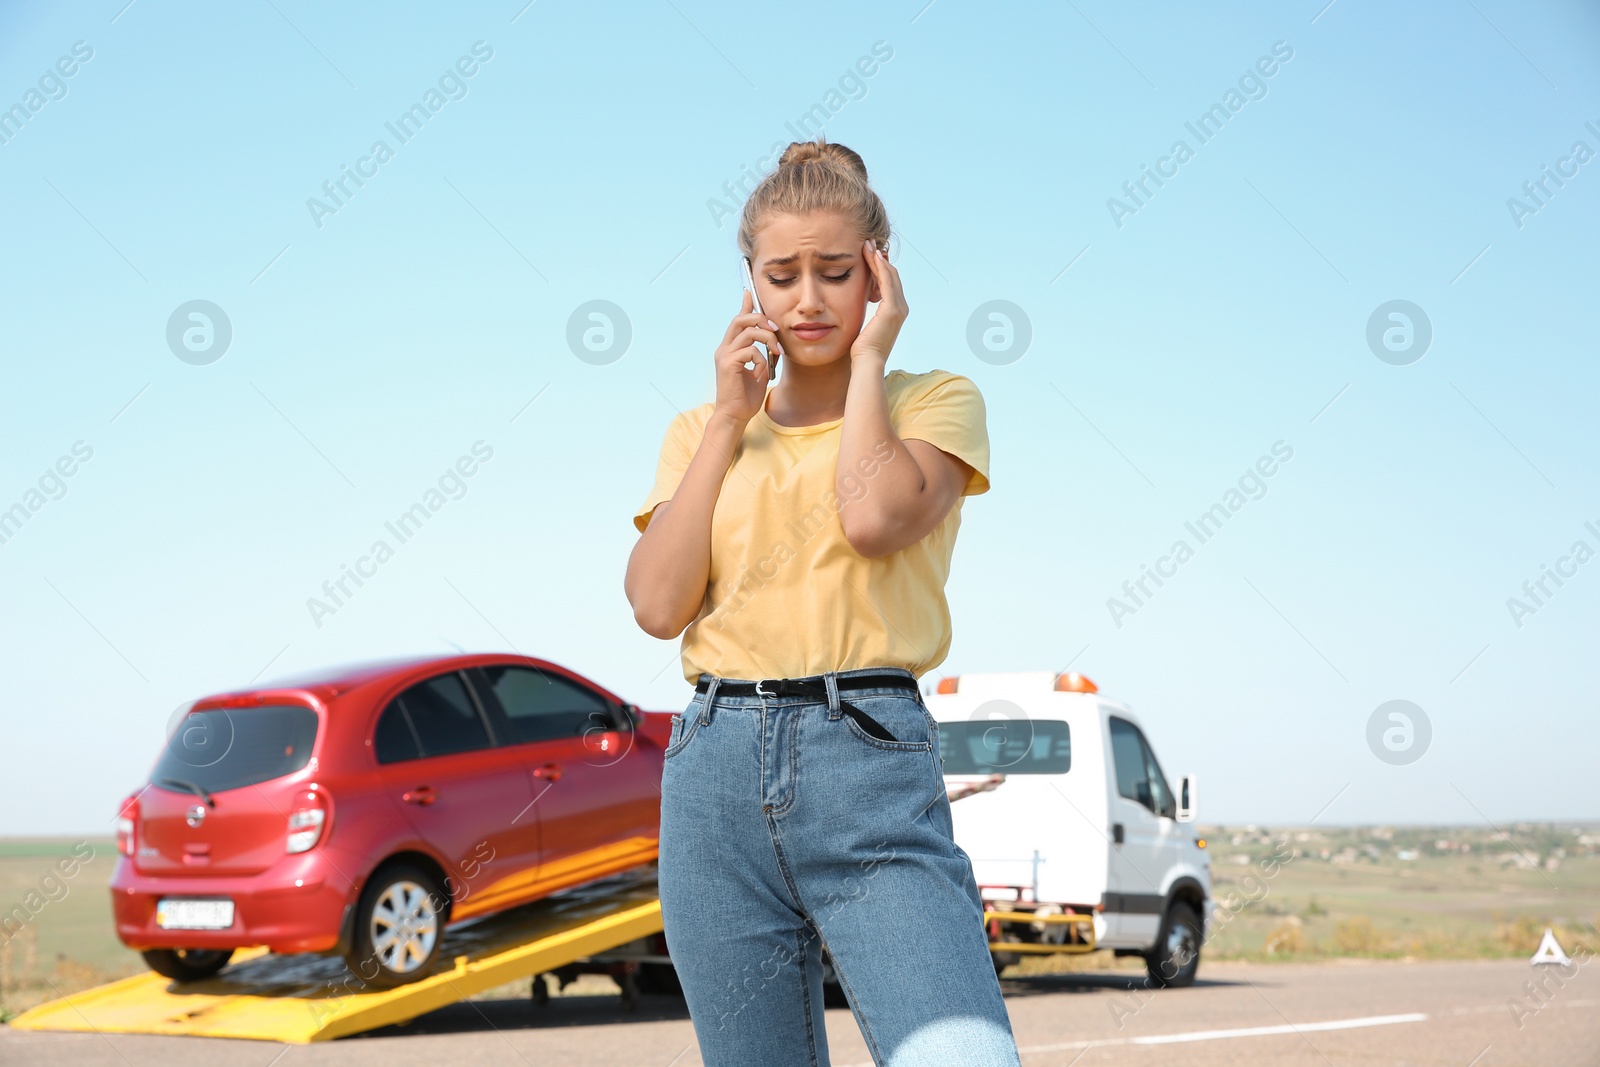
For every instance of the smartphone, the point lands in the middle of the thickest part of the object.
(755, 305)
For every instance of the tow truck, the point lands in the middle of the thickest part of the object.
(1078, 841)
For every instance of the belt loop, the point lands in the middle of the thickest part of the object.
(831, 681)
(712, 681)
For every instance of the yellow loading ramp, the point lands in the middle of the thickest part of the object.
(300, 999)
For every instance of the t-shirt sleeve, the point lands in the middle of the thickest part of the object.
(947, 411)
(677, 449)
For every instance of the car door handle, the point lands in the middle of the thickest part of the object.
(422, 795)
(1117, 833)
(550, 772)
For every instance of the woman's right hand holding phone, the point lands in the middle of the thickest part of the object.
(671, 564)
(741, 392)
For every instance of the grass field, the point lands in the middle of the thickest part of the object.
(1281, 893)
(67, 943)
(1302, 894)
(1427, 893)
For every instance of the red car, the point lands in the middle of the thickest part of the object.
(360, 810)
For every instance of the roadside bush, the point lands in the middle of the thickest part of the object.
(1288, 938)
(1358, 936)
(1522, 935)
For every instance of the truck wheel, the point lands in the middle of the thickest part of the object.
(399, 927)
(1002, 960)
(833, 995)
(660, 979)
(1175, 959)
(187, 964)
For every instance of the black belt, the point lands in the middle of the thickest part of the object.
(816, 687)
(808, 687)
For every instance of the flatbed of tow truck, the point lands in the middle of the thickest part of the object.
(301, 999)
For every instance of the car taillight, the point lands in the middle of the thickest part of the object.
(127, 822)
(306, 820)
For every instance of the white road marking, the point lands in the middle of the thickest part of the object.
(1302, 1028)
(1488, 1008)
(1214, 1035)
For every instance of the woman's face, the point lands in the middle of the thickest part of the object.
(813, 281)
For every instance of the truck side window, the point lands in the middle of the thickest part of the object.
(1127, 752)
(1165, 803)
(1139, 776)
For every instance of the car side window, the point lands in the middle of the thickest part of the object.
(394, 741)
(444, 717)
(1165, 803)
(541, 707)
(1127, 752)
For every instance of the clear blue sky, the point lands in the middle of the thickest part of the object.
(1226, 313)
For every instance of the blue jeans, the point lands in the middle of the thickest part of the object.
(788, 829)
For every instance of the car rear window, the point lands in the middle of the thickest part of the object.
(393, 741)
(230, 748)
(444, 716)
(1005, 746)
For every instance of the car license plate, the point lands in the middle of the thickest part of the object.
(194, 914)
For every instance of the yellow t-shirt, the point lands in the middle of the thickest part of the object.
(788, 597)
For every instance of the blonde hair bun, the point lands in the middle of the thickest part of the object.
(820, 151)
(813, 176)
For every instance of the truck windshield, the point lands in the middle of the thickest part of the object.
(1005, 746)
(230, 748)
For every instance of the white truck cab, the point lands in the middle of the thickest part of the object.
(1060, 802)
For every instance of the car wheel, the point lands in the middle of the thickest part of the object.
(187, 964)
(399, 927)
(1176, 957)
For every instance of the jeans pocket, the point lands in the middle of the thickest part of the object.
(898, 724)
(684, 726)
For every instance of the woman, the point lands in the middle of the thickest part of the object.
(800, 540)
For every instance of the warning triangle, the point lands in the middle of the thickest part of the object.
(1549, 951)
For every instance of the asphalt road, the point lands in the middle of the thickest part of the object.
(1366, 1013)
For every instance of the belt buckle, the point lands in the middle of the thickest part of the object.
(760, 692)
